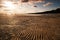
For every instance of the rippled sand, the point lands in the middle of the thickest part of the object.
(29, 27)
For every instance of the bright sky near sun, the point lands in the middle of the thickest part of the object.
(28, 6)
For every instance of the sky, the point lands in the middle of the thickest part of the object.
(31, 6)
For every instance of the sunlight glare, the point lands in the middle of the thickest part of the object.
(10, 7)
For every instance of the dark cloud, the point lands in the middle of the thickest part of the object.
(32, 0)
(25, 0)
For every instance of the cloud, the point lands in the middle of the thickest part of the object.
(32, 0)
(24, 0)
(48, 4)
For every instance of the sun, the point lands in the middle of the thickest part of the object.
(9, 7)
